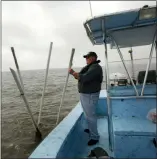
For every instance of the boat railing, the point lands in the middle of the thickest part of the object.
(139, 65)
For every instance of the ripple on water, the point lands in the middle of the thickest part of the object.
(18, 134)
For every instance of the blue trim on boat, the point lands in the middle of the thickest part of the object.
(76, 146)
(51, 145)
(101, 109)
(133, 133)
(129, 90)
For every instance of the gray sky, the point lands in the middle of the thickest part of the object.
(30, 27)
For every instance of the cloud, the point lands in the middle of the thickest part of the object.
(31, 26)
(106, 7)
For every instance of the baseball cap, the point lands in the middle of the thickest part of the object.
(90, 54)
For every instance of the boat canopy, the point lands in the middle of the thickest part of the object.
(128, 28)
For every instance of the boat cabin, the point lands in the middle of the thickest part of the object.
(131, 134)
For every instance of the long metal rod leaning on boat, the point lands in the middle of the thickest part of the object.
(20, 86)
(45, 82)
(66, 82)
(107, 84)
(38, 133)
(149, 62)
(121, 56)
(17, 67)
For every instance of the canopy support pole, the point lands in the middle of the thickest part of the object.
(132, 64)
(107, 87)
(107, 67)
(149, 62)
(108, 99)
(122, 59)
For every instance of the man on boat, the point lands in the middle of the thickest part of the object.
(89, 86)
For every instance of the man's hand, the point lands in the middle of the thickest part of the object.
(71, 71)
(75, 74)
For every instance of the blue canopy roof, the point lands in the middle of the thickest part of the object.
(121, 25)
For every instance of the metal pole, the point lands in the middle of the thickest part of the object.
(149, 62)
(132, 64)
(121, 56)
(66, 82)
(25, 101)
(106, 60)
(108, 99)
(131, 97)
(129, 60)
(17, 67)
(90, 8)
(107, 86)
(22, 91)
(45, 82)
(156, 46)
(107, 68)
(105, 72)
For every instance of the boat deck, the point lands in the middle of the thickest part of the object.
(103, 142)
(68, 139)
(75, 146)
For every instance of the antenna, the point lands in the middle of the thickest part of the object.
(90, 8)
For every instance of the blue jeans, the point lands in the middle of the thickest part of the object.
(89, 103)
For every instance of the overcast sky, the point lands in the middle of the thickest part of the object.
(30, 27)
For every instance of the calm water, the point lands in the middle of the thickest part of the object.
(17, 129)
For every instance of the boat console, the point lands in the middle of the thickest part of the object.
(133, 135)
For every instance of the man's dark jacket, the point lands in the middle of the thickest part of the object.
(90, 78)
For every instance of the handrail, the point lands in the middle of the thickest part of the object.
(130, 60)
(149, 62)
(130, 97)
(121, 56)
